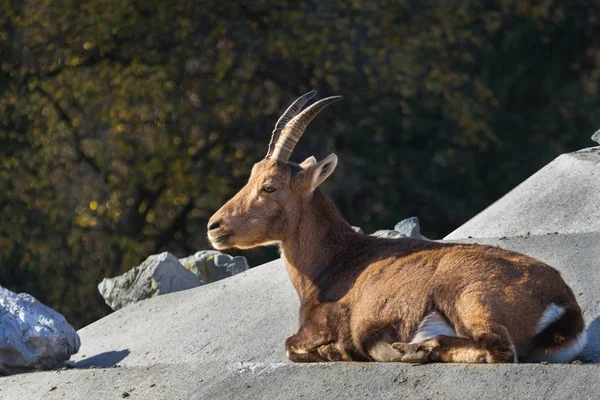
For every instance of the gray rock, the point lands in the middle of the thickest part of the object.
(560, 198)
(211, 265)
(596, 137)
(386, 233)
(357, 229)
(159, 274)
(32, 335)
(409, 227)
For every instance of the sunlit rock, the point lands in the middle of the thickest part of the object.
(212, 265)
(164, 273)
(596, 137)
(406, 228)
(159, 274)
(32, 335)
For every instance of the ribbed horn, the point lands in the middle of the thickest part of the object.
(294, 129)
(290, 113)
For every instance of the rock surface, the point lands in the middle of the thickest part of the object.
(226, 339)
(159, 274)
(211, 265)
(387, 234)
(164, 273)
(596, 137)
(32, 335)
(562, 197)
(409, 227)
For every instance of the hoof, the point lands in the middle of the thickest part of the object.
(419, 353)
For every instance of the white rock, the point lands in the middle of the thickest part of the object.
(596, 137)
(357, 229)
(409, 227)
(32, 335)
(159, 274)
(211, 265)
(386, 233)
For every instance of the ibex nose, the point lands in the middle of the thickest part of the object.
(213, 225)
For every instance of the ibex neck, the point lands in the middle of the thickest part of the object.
(315, 242)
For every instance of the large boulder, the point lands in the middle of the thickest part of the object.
(32, 335)
(211, 265)
(159, 274)
(561, 198)
(164, 273)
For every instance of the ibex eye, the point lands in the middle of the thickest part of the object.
(268, 189)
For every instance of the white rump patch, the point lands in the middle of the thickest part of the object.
(552, 313)
(433, 325)
(567, 354)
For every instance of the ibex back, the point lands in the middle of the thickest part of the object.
(369, 299)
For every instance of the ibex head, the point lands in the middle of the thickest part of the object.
(268, 207)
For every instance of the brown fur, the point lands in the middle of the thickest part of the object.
(358, 291)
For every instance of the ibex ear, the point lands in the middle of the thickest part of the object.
(309, 162)
(317, 173)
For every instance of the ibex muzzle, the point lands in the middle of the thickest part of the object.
(368, 299)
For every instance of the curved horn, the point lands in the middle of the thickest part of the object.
(290, 113)
(294, 129)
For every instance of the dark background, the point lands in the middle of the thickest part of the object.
(125, 124)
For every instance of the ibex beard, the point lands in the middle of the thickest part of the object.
(369, 299)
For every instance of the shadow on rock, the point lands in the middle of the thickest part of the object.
(102, 360)
(591, 352)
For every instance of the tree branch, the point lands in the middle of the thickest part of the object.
(178, 224)
(64, 116)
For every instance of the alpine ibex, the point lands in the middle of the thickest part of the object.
(370, 299)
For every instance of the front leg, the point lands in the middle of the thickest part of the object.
(315, 341)
(318, 338)
(314, 351)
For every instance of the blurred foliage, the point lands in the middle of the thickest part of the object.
(125, 124)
